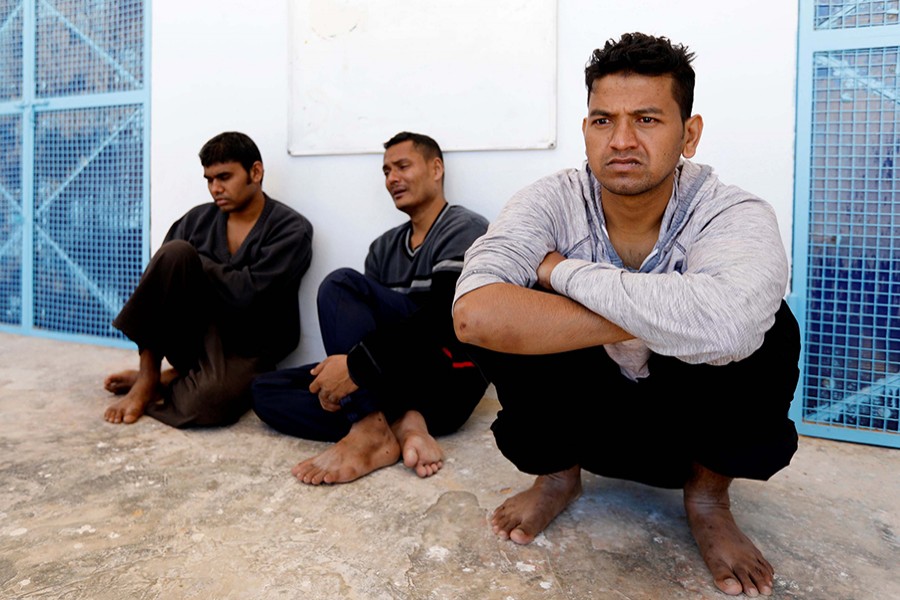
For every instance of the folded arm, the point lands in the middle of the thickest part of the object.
(509, 318)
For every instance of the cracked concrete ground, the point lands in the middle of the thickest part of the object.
(90, 510)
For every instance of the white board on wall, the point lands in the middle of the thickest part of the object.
(473, 74)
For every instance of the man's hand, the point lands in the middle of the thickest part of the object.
(546, 268)
(332, 382)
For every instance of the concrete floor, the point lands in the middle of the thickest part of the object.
(90, 510)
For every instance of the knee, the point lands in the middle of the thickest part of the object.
(175, 253)
(339, 281)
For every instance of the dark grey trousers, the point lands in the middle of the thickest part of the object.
(172, 312)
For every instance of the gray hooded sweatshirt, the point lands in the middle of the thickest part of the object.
(707, 292)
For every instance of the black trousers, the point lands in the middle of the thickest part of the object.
(351, 306)
(173, 313)
(576, 408)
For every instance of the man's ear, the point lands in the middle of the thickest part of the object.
(693, 129)
(437, 166)
(256, 172)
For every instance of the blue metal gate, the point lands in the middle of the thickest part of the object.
(74, 156)
(846, 285)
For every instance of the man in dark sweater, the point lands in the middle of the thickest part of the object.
(219, 299)
(395, 374)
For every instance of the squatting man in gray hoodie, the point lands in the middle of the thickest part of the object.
(631, 316)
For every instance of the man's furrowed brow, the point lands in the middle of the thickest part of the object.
(649, 110)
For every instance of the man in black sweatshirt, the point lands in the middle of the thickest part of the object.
(395, 374)
(219, 299)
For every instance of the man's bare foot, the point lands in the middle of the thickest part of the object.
(145, 387)
(420, 451)
(369, 446)
(735, 563)
(130, 408)
(119, 383)
(528, 513)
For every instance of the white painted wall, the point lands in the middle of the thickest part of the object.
(223, 65)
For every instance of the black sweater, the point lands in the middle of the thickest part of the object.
(428, 276)
(256, 289)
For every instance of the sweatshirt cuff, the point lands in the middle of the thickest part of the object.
(562, 274)
(561, 279)
(361, 365)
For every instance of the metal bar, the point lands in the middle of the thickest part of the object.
(29, 76)
(105, 99)
(148, 74)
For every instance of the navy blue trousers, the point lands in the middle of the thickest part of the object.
(350, 307)
(576, 408)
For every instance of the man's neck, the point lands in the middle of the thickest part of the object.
(635, 215)
(423, 218)
(250, 213)
(633, 222)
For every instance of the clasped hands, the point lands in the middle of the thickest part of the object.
(332, 382)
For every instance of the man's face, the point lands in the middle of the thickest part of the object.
(411, 180)
(231, 186)
(634, 135)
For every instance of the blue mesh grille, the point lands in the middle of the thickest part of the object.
(844, 14)
(852, 350)
(73, 164)
(88, 234)
(10, 49)
(11, 219)
(89, 47)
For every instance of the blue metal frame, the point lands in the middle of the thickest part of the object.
(32, 106)
(820, 34)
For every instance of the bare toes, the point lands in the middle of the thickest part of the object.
(520, 536)
(730, 586)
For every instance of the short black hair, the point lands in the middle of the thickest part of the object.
(230, 146)
(646, 55)
(425, 145)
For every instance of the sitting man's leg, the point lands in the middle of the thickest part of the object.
(433, 394)
(432, 391)
(166, 314)
(214, 390)
(694, 427)
(350, 306)
(742, 430)
(544, 402)
(282, 399)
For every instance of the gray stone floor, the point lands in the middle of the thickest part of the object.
(90, 510)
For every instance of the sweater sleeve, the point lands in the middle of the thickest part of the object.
(533, 223)
(717, 310)
(282, 255)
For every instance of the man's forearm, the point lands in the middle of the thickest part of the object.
(509, 318)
